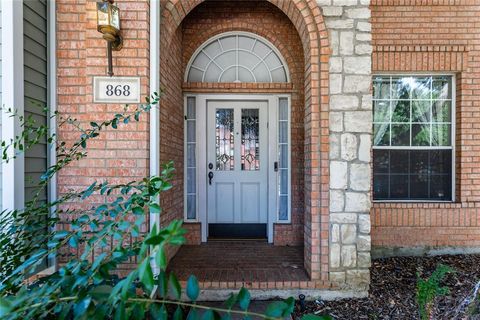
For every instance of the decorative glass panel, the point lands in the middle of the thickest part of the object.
(249, 151)
(191, 163)
(283, 165)
(237, 58)
(412, 136)
(224, 137)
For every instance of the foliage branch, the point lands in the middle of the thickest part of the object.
(103, 239)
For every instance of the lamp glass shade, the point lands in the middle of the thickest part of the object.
(108, 20)
(115, 18)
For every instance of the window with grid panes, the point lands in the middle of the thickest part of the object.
(413, 138)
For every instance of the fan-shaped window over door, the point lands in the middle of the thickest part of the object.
(237, 57)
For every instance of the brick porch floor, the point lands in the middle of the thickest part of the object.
(239, 262)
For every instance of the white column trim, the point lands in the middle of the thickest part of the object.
(52, 103)
(155, 87)
(13, 182)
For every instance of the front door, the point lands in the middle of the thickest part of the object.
(237, 169)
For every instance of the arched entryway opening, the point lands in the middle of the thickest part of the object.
(296, 29)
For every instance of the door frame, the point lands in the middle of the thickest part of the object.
(201, 101)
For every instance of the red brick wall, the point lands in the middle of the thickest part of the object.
(262, 18)
(118, 156)
(171, 120)
(434, 36)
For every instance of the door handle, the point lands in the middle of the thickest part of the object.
(210, 177)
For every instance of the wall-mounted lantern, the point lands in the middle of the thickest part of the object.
(108, 23)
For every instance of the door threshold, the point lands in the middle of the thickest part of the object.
(214, 239)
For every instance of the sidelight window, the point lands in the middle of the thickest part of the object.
(191, 159)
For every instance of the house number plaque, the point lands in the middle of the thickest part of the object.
(116, 89)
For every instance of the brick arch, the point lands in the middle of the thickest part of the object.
(307, 19)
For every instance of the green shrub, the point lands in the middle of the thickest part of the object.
(430, 288)
(103, 237)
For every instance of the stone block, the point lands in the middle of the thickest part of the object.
(343, 218)
(346, 43)
(358, 13)
(358, 121)
(357, 84)
(364, 151)
(357, 65)
(348, 233)
(344, 102)
(332, 11)
(349, 256)
(363, 36)
(334, 147)
(358, 278)
(339, 23)
(349, 146)
(337, 201)
(338, 175)
(364, 223)
(364, 26)
(336, 82)
(345, 2)
(335, 255)
(357, 202)
(364, 243)
(336, 121)
(360, 177)
(337, 277)
(364, 260)
(335, 233)
(336, 64)
(363, 48)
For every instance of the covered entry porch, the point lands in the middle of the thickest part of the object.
(233, 264)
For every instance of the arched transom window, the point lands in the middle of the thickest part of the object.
(237, 57)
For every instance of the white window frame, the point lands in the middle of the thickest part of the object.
(453, 134)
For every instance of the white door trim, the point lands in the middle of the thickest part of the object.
(201, 147)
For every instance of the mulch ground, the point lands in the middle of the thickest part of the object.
(392, 290)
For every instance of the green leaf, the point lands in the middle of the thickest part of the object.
(211, 315)
(154, 208)
(145, 274)
(244, 298)
(276, 309)
(162, 284)
(158, 311)
(161, 258)
(231, 301)
(101, 292)
(81, 307)
(290, 302)
(175, 287)
(193, 314)
(5, 307)
(98, 260)
(193, 289)
(178, 315)
(60, 235)
(154, 240)
(138, 210)
(73, 242)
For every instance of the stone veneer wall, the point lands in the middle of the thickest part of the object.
(348, 24)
